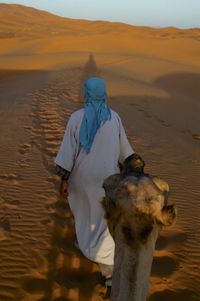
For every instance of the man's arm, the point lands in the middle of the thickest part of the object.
(64, 174)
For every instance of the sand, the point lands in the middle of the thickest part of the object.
(153, 80)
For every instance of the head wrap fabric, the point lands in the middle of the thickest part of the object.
(96, 111)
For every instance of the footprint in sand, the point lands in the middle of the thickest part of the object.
(165, 124)
(25, 160)
(135, 104)
(28, 127)
(10, 177)
(12, 204)
(186, 131)
(161, 121)
(5, 229)
(23, 148)
(196, 137)
(146, 114)
(45, 221)
(51, 152)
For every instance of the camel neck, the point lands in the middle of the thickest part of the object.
(132, 269)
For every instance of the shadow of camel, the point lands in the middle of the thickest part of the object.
(90, 69)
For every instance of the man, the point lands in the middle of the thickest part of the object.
(93, 145)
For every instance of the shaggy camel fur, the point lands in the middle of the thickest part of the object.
(136, 208)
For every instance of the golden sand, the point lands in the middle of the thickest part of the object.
(153, 79)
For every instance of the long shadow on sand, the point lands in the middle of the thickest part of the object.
(70, 276)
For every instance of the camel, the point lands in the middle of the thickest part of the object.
(136, 208)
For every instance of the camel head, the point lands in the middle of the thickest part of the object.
(136, 207)
(137, 201)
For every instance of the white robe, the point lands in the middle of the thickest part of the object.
(88, 172)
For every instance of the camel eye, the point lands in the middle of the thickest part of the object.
(149, 199)
(128, 235)
(145, 232)
(166, 196)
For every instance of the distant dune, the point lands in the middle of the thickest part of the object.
(30, 22)
(25, 21)
(28, 31)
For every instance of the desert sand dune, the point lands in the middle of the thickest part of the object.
(153, 78)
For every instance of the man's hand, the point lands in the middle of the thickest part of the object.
(64, 188)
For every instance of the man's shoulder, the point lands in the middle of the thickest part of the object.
(77, 115)
(115, 115)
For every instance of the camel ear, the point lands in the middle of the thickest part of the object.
(167, 216)
(161, 184)
(111, 182)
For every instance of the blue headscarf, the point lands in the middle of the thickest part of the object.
(96, 111)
